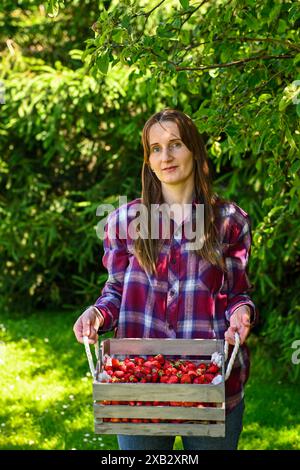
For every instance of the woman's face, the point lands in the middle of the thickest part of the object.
(170, 159)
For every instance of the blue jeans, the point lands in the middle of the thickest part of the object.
(233, 429)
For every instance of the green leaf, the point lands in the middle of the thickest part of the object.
(103, 63)
(295, 167)
(185, 4)
(52, 8)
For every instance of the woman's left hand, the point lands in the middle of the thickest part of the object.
(239, 322)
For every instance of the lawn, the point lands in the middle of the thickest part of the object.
(46, 399)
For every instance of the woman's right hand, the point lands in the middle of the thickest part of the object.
(88, 324)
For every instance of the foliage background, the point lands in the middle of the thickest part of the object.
(79, 79)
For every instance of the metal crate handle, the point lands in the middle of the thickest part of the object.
(233, 355)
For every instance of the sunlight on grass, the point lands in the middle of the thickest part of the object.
(46, 399)
(257, 437)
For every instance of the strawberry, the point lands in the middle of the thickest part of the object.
(160, 358)
(119, 374)
(139, 360)
(115, 363)
(130, 365)
(164, 379)
(213, 369)
(115, 379)
(173, 379)
(148, 364)
(132, 378)
(199, 380)
(191, 366)
(208, 377)
(185, 379)
(192, 374)
(155, 377)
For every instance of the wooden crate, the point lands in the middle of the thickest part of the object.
(207, 421)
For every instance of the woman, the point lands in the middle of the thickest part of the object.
(168, 287)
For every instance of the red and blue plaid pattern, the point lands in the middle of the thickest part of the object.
(189, 297)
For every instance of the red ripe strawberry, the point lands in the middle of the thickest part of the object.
(160, 358)
(213, 369)
(155, 377)
(143, 380)
(185, 379)
(173, 379)
(119, 373)
(202, 366)
(138, 374)
(199, 380)
(208, 377)
(178, 364)
(139, 360)
(132, 403)
(164, 379)
(115, 363)
(123, 367)
(191, 366)
(130, 365)
(192, 374)
(132, 378)
(156, 364)
(115, 379)
(148, 364)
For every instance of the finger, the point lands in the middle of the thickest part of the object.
(246, 319)
(86, 327)
(77, 329)
(93, 338)
(229, 336)
(244, 332)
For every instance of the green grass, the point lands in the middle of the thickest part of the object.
(46, 392)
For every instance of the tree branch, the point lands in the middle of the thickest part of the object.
(247, 39)
(236, 62)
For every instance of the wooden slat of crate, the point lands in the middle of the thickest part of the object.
(165, 346)
(160, 429)
(157, 391)
(159, 412)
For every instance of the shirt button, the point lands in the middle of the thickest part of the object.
(172, 292)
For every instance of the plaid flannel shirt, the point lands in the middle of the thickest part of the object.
(189, 297)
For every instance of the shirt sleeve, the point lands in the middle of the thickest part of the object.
(237, 254)
(115, 260)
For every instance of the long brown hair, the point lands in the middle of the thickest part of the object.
(147, 249)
